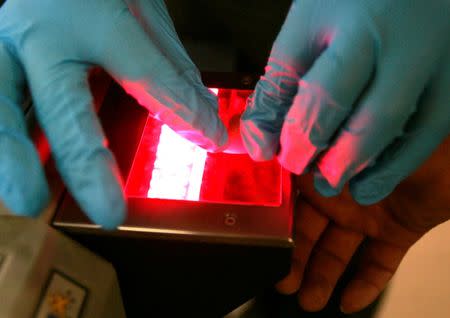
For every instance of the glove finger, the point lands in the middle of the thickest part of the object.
(144, 71)
(426, 130)
(65, 110)
(291, 56)
(23, 187)
(324, 99)
(378, 120)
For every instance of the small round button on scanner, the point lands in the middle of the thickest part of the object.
(247, 80)
(230, 219)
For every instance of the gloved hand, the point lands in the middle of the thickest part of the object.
(53, 44)
(356, 90)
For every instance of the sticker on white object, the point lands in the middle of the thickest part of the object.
(62, 298)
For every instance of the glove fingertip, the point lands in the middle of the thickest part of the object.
(96, 184)
(369, 192)
(115, 215)
(108, 209)
(41, 200)
(324, 188)
(260, 145)
(29, 204)
(203, 126)
(23, 189)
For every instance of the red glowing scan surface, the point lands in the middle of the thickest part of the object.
(167, 166)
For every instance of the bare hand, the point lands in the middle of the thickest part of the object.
(329, 231)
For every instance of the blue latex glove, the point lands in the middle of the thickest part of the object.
(55, 43)
(363, 83)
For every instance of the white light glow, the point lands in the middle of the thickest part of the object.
(215, 91)
(178, 168)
